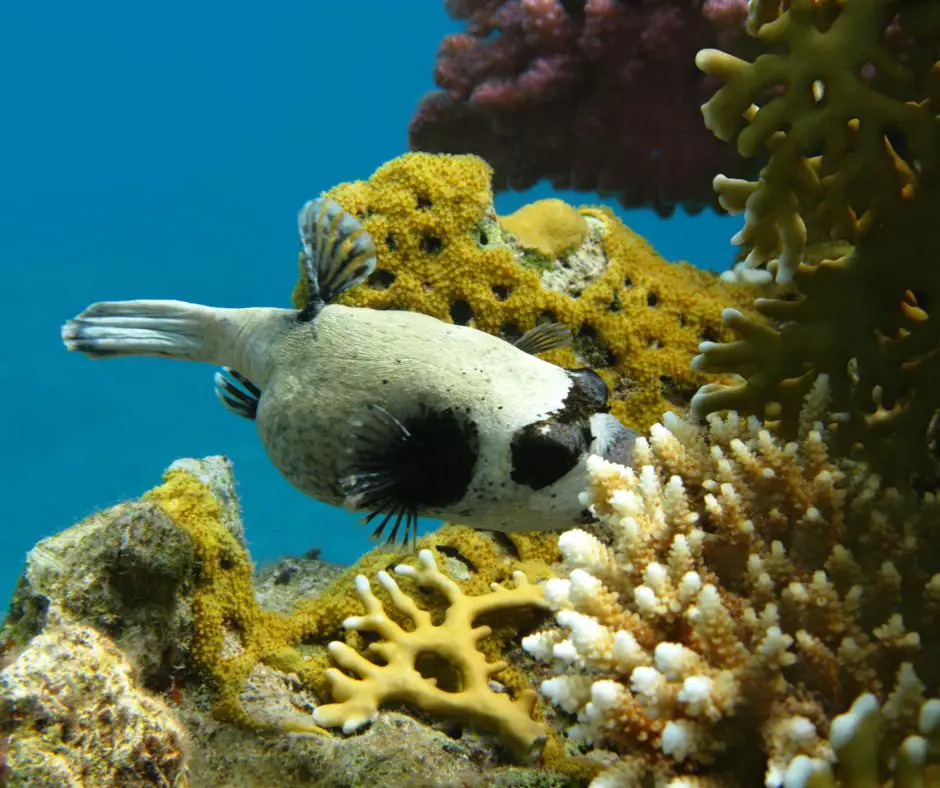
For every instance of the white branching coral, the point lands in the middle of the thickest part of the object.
(740, 592)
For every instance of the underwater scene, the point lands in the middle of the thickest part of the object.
(565, 406)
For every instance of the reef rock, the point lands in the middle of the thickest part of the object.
(74, 714)
(102, 684)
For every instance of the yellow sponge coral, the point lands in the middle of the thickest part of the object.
(551, 227)
(396, 675)
(637, 319)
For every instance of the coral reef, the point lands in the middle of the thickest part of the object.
(244, 657)
(74, 715)
(593, 96)
(637, 319)
(740, 592)
(844, 102)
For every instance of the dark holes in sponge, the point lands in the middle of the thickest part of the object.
(709, 334)
(547, 317)
(501, 292)
(453, 552)
(652, 299)
(461, 313)
(510, 332)
(591, 349)
(431, 244)
(423, 202)
(381, 279)
(675, 392)
(390, 242)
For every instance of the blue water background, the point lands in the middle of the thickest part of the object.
(162, 151)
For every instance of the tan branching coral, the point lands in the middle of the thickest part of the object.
(742, 592)
(844, 211)
(390, 672)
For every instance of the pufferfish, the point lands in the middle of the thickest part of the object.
(393, 414)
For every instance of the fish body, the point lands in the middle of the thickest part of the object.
(392, 413)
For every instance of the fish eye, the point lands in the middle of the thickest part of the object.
(592, 388)
(544, 451)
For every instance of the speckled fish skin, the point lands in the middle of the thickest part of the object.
(326, 373)
(317, 375)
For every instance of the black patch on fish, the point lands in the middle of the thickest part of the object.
(398, 468)
(337, 253)
(545, 336)
(544, 451)
(587, 396)
(237, 393)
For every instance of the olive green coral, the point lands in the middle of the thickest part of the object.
(637, 319)
(846, 211)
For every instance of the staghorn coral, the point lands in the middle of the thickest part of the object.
(397, 677)
(743, 591)
(637, 319)
(844, 100)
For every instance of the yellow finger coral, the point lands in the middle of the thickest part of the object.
(442, 250)
(396, 675)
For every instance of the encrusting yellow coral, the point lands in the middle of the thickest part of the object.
(396, 676)
(743, 592)
(551, 227)
(637, 319)
(845, 214)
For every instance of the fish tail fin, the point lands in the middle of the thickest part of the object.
(171, 329)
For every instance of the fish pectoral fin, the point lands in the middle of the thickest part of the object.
(398, 466)
(375, 478)
(237, 393)
(338, 253)
(545, 336)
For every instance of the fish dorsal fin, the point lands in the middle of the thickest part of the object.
(338, 252)
(545, 336)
